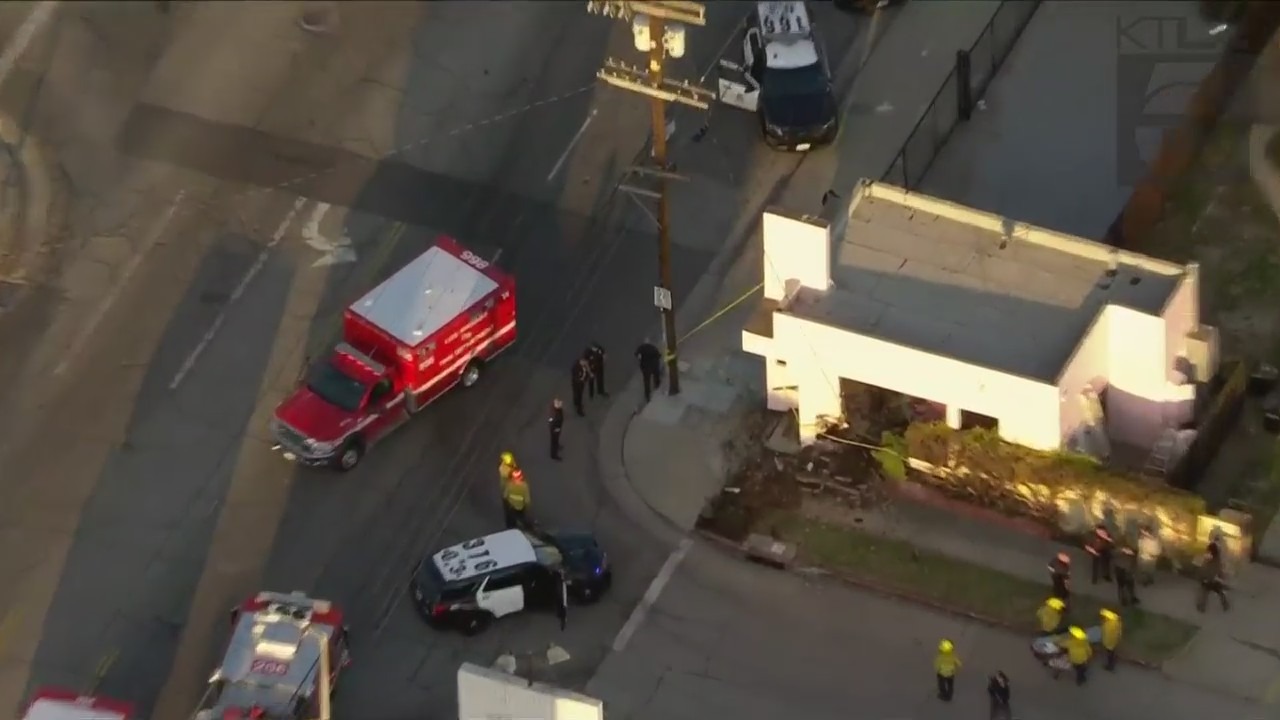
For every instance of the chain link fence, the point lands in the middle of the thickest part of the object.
(942, 115)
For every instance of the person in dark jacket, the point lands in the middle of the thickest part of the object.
(1212, 579)
(998, 692)
(1101, 549)
(578, 380)
(650, 360)
(1126, 567)
(595, 361)
(555, 423)
(1060, 577)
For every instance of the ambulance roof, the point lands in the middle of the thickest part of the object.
(484, 555)
(58, 705)
(274, 652)
(422, 296)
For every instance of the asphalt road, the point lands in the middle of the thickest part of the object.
(732, 639)
(172, 505)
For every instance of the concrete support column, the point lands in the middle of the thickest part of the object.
(779, 393)
(953, 417)
(819, 397)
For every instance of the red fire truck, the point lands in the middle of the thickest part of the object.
(282, 662)
(432, 325)
(59, 704)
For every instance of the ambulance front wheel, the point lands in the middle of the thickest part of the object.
(471, 374)
(350, 455)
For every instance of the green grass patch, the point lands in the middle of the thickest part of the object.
(1010, 600)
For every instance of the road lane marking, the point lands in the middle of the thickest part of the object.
(152, 239)
(651, 595)
(248, 277)
(577, 137)
(40, 16)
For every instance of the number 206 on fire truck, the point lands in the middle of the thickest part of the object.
(432, 325)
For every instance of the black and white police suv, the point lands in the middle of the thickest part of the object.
(468, 586)
(783, 78)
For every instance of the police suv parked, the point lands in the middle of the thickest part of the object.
(467, 586)
(783, 78)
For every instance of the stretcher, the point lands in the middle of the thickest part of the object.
(1051, 651)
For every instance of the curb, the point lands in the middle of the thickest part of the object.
(896, 594)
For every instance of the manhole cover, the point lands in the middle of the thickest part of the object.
(9, 292)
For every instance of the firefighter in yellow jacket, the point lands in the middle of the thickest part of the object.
(1079, 652)
(515, 500)
(506, 465)
(1052, 616)
(946, 665)
(1112, 630)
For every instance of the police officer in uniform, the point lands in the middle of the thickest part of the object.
(581, 375)
(515, 501)
(998, 691)
(595, 361)
(1126, 567)
(650, 359)
(555, 423)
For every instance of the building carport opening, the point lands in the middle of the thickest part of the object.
(870, 410)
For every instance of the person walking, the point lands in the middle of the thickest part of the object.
(945, 666)
(1060, 577)
(650, 360)
(555, 423)
(998, 692)
(595, 362)
(1126, 564)
(515, 501)
(1112, 631)
(1212, 579)
(1079, 652)
(1052, 616)
(581, 375)
(1100, 548)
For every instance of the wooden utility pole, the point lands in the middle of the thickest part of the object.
(665, 21)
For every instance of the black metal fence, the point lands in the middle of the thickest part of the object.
(944, 111)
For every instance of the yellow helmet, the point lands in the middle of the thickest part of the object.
(1056, 603)
(1108, 614)
(1078, 634)
(508, 458)
(945, 646)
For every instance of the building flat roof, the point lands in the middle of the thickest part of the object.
(920, 272)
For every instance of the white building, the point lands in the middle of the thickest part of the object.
(1035, 329)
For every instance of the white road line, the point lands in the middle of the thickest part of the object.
(253, 271)
(555, 170)
(35, 22)
(105, 304)
(651, 595)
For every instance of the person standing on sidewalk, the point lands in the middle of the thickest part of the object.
(1112, 631)
(945, 666)
(998, 692)
(1126, 563)
(1212, 579)
(1100, 548)
(650, 360)
(555, 423)
(578, 379)
(1079, 652)
(595, 362)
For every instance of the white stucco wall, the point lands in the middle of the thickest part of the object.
(1088, 366)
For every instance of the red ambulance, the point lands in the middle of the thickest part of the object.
(434, 324)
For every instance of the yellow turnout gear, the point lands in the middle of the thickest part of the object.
(1112, 630)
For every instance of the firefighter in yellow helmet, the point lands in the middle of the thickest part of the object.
(515, 500)
(1079, 652)
(945, 665)
(1112, 630)
(1052, 616)
(506, 464)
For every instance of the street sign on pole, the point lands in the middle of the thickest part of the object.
(661, 298)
